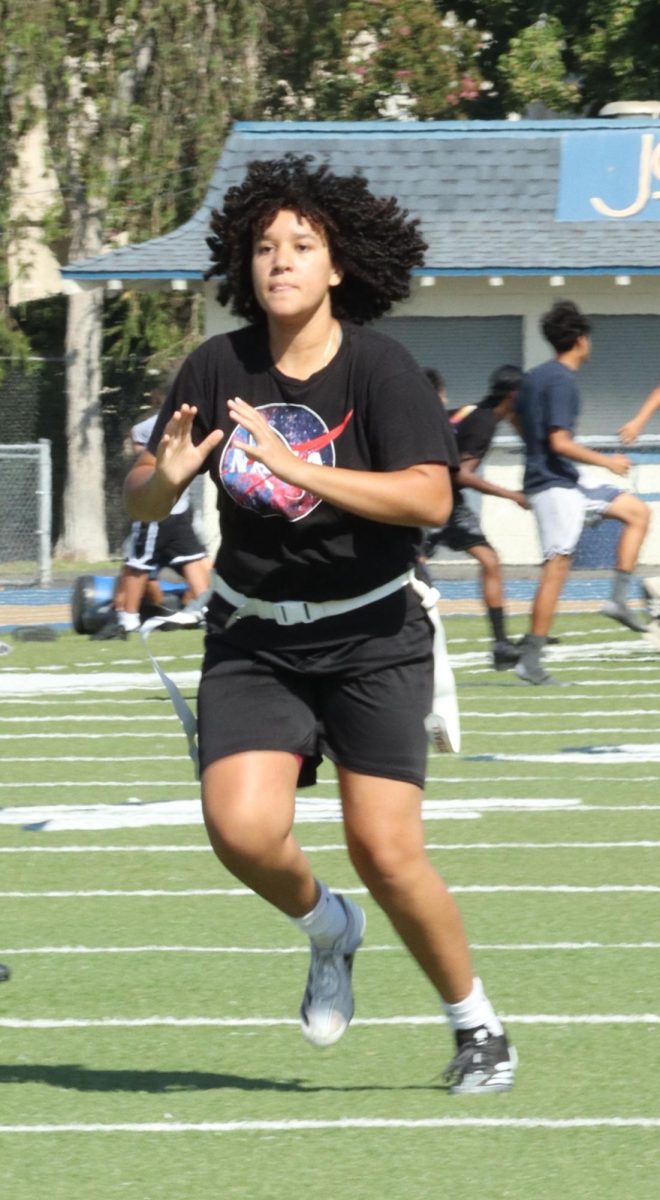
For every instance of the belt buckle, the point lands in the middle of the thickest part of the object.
(292, 612)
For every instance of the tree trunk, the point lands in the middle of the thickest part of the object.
(84, 529)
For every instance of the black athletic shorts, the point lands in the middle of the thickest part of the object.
(359, 700)
(168, 543)
(461, 532)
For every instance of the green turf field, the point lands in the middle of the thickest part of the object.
(149, 1028)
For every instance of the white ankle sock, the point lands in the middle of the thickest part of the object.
(476, 1009)
(128, 621)
(327, 920)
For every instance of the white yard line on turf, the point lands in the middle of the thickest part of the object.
(341, 1123)
(332, 846)
(89, 718)
(118, 718)
(39, 682)
(151, 734)
(506, 947)
(458, 889)
(561, 1019)
(134, 813)
(95, 758)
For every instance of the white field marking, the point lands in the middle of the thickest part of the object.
(64, 818)
(283, 1022)
(152, 734)
(486, 889)
(342, 1123)
(525, 712)
(46, 701)
(550, 777)
(603, 651)
(627, 752)
(331, 846)
(637, 687)
(613, 669)
(39, 682)
(277, 950)
(572, 729)
(136, 814)
(96, 758)
(94, 783)
(88, 718)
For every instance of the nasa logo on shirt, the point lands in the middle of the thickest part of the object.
(251, 485)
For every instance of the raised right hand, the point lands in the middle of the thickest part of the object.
(178, 459)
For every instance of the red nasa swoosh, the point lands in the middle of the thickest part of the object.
(319, 443)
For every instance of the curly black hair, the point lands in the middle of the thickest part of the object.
(371, 239)
(563, 325)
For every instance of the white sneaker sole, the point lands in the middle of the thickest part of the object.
(323, 1040)
(503, 1081)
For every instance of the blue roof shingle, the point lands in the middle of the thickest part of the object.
(485, 193)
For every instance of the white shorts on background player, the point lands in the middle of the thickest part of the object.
(562, 512)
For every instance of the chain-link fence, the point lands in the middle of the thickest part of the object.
(26, 503)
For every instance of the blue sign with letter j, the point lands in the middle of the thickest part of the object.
(610, 176)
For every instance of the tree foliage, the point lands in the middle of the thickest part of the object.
(364, 59)
(584, 55)
(139, 96)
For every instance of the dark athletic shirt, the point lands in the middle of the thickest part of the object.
(548, 399)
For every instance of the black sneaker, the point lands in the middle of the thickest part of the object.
(112, 628)
(505, 655)
(484, 1062)
(5, 973)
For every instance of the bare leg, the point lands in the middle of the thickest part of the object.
(197, 575)
(248, 802)
(491, 575)
(553, 577)
(385, 838)
(135, 583)
(636, 516)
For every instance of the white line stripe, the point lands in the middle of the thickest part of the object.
(459, 889)
(96, 758)
(15, 737)
(89, 718)
(509, 947)
(341, 1123)
(525, 712)
(551, 777)
(282, 1022)
(333, 846)
(570, 731)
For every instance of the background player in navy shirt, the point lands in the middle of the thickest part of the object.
(561, 494)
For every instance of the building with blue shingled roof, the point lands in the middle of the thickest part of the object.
(516, 214)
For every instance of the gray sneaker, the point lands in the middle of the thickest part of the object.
(625, 616)
(327, 1006)
(534, 672)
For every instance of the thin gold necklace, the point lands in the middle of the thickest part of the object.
(326, 352)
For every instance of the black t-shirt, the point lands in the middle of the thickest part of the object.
(474, 431)
(370, 408)
(548, 399)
